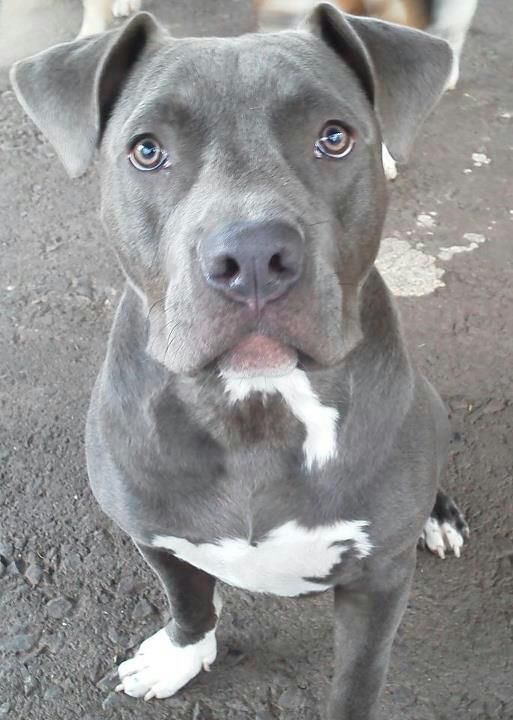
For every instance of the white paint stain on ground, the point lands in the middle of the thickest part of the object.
(479, 159)
(426, 220)
(474, 241)
(408, 271)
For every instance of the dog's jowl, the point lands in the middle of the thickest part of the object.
(257, 419)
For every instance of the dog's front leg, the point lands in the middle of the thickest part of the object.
(365, 627)
(168, 660)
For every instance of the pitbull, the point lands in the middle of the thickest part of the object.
(257, 419)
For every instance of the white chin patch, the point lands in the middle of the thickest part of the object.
(320, 420)
(442, 537)
(160, 668)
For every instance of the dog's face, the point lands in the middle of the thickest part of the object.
(242, 178)
(259, 206)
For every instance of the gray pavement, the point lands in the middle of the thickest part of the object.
(74, 595)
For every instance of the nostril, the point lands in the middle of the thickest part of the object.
(227, 269)
(232, 268)
(276, 264)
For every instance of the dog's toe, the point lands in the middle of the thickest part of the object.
(132, 666)
(140, 683)
(160, 668)
(446, 529)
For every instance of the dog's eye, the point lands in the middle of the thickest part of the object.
(336, 141)
(147, 154)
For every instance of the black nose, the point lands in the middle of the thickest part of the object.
(253, 263)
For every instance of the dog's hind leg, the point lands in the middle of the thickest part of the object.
(123, 8)
(451, 20)
(97, 15)
(366, 623)
(389, 164)
(172, 657)
(446, 528)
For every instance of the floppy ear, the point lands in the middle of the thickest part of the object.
(70, 90)
(403, 71)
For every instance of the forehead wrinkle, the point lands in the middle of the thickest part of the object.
(265, 75)
(232, 71)
(150, 115)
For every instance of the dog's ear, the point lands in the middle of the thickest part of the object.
(70, 90)
(403, 71)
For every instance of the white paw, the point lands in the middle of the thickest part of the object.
(124, 8)
(389, 165)
(441, 537)
(160, 668)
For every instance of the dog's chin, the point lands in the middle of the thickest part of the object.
(258, 356)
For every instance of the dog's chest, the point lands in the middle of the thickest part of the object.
(290, 560)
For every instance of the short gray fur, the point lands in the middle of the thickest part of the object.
(167, 454)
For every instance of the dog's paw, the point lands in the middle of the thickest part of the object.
(446, 529)
(389, 164)
(124, 8)
(160, 668)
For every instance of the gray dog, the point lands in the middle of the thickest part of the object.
(257, 419)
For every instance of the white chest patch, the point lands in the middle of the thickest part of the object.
(320, 420)
(281, 563)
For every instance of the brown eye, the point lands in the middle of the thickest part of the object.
(336, 141)
(147, 154)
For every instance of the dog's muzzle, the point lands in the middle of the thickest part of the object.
(253, 262)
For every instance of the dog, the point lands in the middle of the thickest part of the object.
(448, 19)
(257, 419)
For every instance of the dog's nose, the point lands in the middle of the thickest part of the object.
(253, 263)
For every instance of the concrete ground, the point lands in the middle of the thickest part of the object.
(75, 597)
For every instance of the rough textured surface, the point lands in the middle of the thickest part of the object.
(74, 594)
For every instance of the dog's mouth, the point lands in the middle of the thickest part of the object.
(258, 355)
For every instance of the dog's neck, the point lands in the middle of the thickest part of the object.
(310, 412)
(306, 411)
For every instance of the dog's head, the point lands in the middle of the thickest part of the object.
(242, 178)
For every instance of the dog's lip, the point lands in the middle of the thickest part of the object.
(258, 355)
